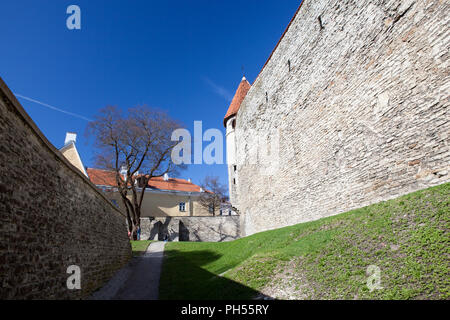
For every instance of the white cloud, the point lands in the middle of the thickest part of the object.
(53, 107)
(219, 90)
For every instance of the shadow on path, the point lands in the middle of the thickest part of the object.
(139, 280)
(184, 278)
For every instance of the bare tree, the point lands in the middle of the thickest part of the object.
(214, 195)
(137, 147)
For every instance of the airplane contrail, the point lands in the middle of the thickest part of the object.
(52, 107)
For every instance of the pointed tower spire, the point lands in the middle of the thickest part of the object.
(239, 96)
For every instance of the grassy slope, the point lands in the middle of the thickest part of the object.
(139, 247)
(407, 238)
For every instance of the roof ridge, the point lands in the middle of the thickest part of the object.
(88, 168)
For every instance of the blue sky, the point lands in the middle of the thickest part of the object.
(185, 57)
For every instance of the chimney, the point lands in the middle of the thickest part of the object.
(70, 137)
(166, 177)
(189, 180)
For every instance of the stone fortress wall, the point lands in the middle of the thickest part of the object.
(51, 215)
(358, 94)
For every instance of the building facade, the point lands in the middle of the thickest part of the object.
(164, 196)
(171, 210)
(70, 152)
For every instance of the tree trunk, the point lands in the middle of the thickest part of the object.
(134, 233)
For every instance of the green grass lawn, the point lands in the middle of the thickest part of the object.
(406, 238)
(139, 247)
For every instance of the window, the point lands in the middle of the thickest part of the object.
(234, 181)
(182, 206)
(233, 123)
(235, 168)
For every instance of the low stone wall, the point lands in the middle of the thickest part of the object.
(207, 229)
(51, 215)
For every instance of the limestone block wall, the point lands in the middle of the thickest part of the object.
(51, 216)
(356, 98)
(207, 229)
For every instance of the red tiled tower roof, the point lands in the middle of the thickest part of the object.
(239, 96)
(108, 178)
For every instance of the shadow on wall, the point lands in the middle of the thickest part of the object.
(184, 232)
(168, 230)
(154, 230)
(196, 229)
(219, 231)
(201, 284)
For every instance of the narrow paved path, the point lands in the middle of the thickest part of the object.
(139, 280)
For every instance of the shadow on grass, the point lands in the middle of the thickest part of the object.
(184, 277)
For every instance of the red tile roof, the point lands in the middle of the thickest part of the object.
(108, 178)
(239, 96)
(102, 177)
(173, 184)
